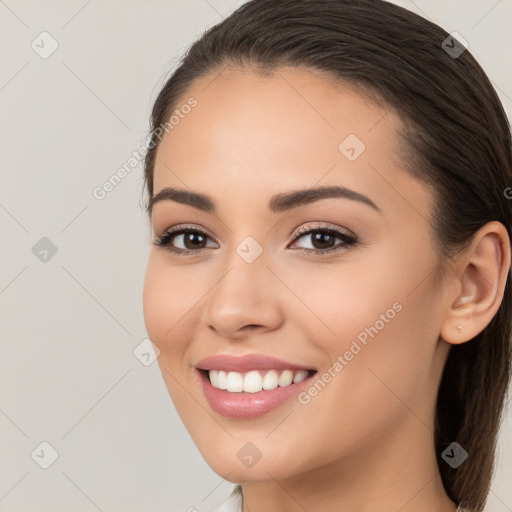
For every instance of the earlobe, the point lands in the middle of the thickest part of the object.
(481, 274)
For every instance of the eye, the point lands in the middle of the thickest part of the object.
(323, 239)
(190, 239)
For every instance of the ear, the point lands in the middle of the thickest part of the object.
(480, 274)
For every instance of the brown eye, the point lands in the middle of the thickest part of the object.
(191, 240)
(323, 239)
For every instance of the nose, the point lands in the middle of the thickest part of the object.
(244, 300)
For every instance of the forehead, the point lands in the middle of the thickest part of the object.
(291, 128)
(302, 101)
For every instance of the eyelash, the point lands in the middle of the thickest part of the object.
(166, 238)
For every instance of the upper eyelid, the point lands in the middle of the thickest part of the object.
(326, 227)
(185, 228)
(301, 230)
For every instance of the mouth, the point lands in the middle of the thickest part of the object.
(251, 385)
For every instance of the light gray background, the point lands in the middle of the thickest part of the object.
(70, 325)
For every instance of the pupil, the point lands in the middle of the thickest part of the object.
(322, 237)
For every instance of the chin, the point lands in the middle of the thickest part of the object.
(245, 464)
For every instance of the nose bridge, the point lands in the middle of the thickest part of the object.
(245, 269)
(243, 294)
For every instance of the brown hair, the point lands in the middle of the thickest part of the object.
(457, 141)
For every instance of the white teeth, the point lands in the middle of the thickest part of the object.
(270, 380)
(214, 378)
(300, 376)
(286, 378)
(223, 381)
(235, 382)
(253, 381)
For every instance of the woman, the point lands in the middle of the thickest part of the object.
(329, 283)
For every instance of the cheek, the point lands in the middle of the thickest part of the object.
(167, 305)
(339, 301)
(372, 294)
(167, 302)
(386, 341)
(377, 319)
(368, 393)
(153, 306)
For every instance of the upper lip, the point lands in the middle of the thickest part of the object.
(246, 363)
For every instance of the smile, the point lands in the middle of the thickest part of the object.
(251, 385)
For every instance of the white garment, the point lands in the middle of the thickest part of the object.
(234, 502)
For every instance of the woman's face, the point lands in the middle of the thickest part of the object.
(363, 312)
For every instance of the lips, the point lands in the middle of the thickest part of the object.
(246, 363)
(235, 398)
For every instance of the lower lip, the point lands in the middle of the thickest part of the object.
(248, 405)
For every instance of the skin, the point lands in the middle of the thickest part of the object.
(365, 442)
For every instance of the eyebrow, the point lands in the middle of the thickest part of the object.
(278, 203)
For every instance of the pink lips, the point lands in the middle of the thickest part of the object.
(247, 405)
(246, 363)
